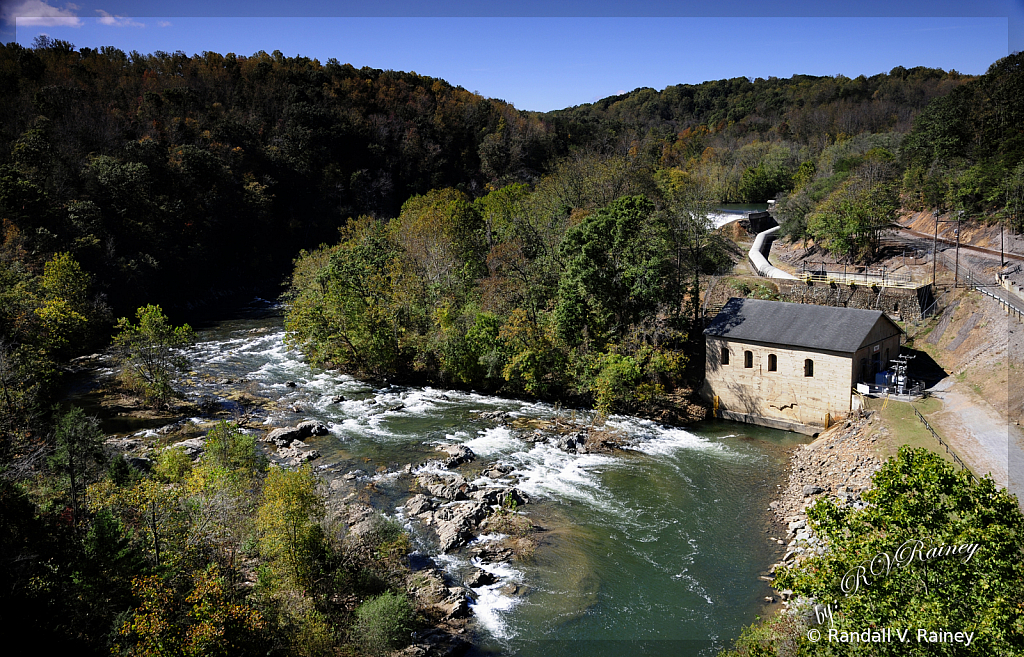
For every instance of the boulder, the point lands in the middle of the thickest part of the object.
(312, 428)
(478, 578)
(337, 399)
(417, 504)
(193, 447)
(124, 444)
(535, 436)
(500, 496)
(467, 514)
(454, 523)
(140, 463)
(451, 535)
(457, 455)
(456, 606)
(812, 489)
(285, 436)
(171, 428)
(489, 554)
(385, 408)
(426, 586)
(498, 471)
(573, 443)
(296, 455)
(453, 488)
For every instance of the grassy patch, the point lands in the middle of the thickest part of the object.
(904, 426)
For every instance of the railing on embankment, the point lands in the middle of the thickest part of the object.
(867, 277)
(956, 459)
(973, 281)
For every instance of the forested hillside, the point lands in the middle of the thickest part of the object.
(966, 150)
(168, 175)
(808, 110)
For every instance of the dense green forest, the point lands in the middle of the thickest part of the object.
(556, 255)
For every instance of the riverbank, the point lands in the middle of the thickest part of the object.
(838, 465)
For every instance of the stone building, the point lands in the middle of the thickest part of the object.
(792, 365)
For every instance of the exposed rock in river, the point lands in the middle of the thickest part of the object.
(478, 578)
(284, 436)
(457, 455)
(193, 447)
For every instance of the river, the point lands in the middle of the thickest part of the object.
(653, 550)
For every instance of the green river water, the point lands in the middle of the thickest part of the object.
(656, 550)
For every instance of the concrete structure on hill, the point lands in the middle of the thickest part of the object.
(793, 366)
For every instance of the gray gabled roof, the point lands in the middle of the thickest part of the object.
(822, 328)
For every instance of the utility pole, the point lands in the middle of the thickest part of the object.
(1002, 256)
(956, 273)
(935, 238)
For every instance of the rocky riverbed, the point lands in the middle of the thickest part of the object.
(454, 499)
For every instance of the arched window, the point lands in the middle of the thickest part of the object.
(808, 367)
(773, 363)
(748, 359)
(725, 355)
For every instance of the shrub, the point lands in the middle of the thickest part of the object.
(149, 353)
(173, 465)
(388, 542)
(315, 637)
(230, 448)
(383, 623)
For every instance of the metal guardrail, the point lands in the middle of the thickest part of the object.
(885, 279)
(973, 281)
(956, 458)
(1010, 308)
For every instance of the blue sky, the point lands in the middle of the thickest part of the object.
(555, 54)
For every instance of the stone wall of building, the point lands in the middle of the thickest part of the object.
(786, 393)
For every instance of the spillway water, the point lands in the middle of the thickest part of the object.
(652, 550)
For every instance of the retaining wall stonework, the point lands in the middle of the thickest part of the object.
(905, 304)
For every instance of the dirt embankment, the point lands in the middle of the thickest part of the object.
(971, 233)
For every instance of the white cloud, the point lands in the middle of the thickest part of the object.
(117, 21)
(30, 13)
(164, 23)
